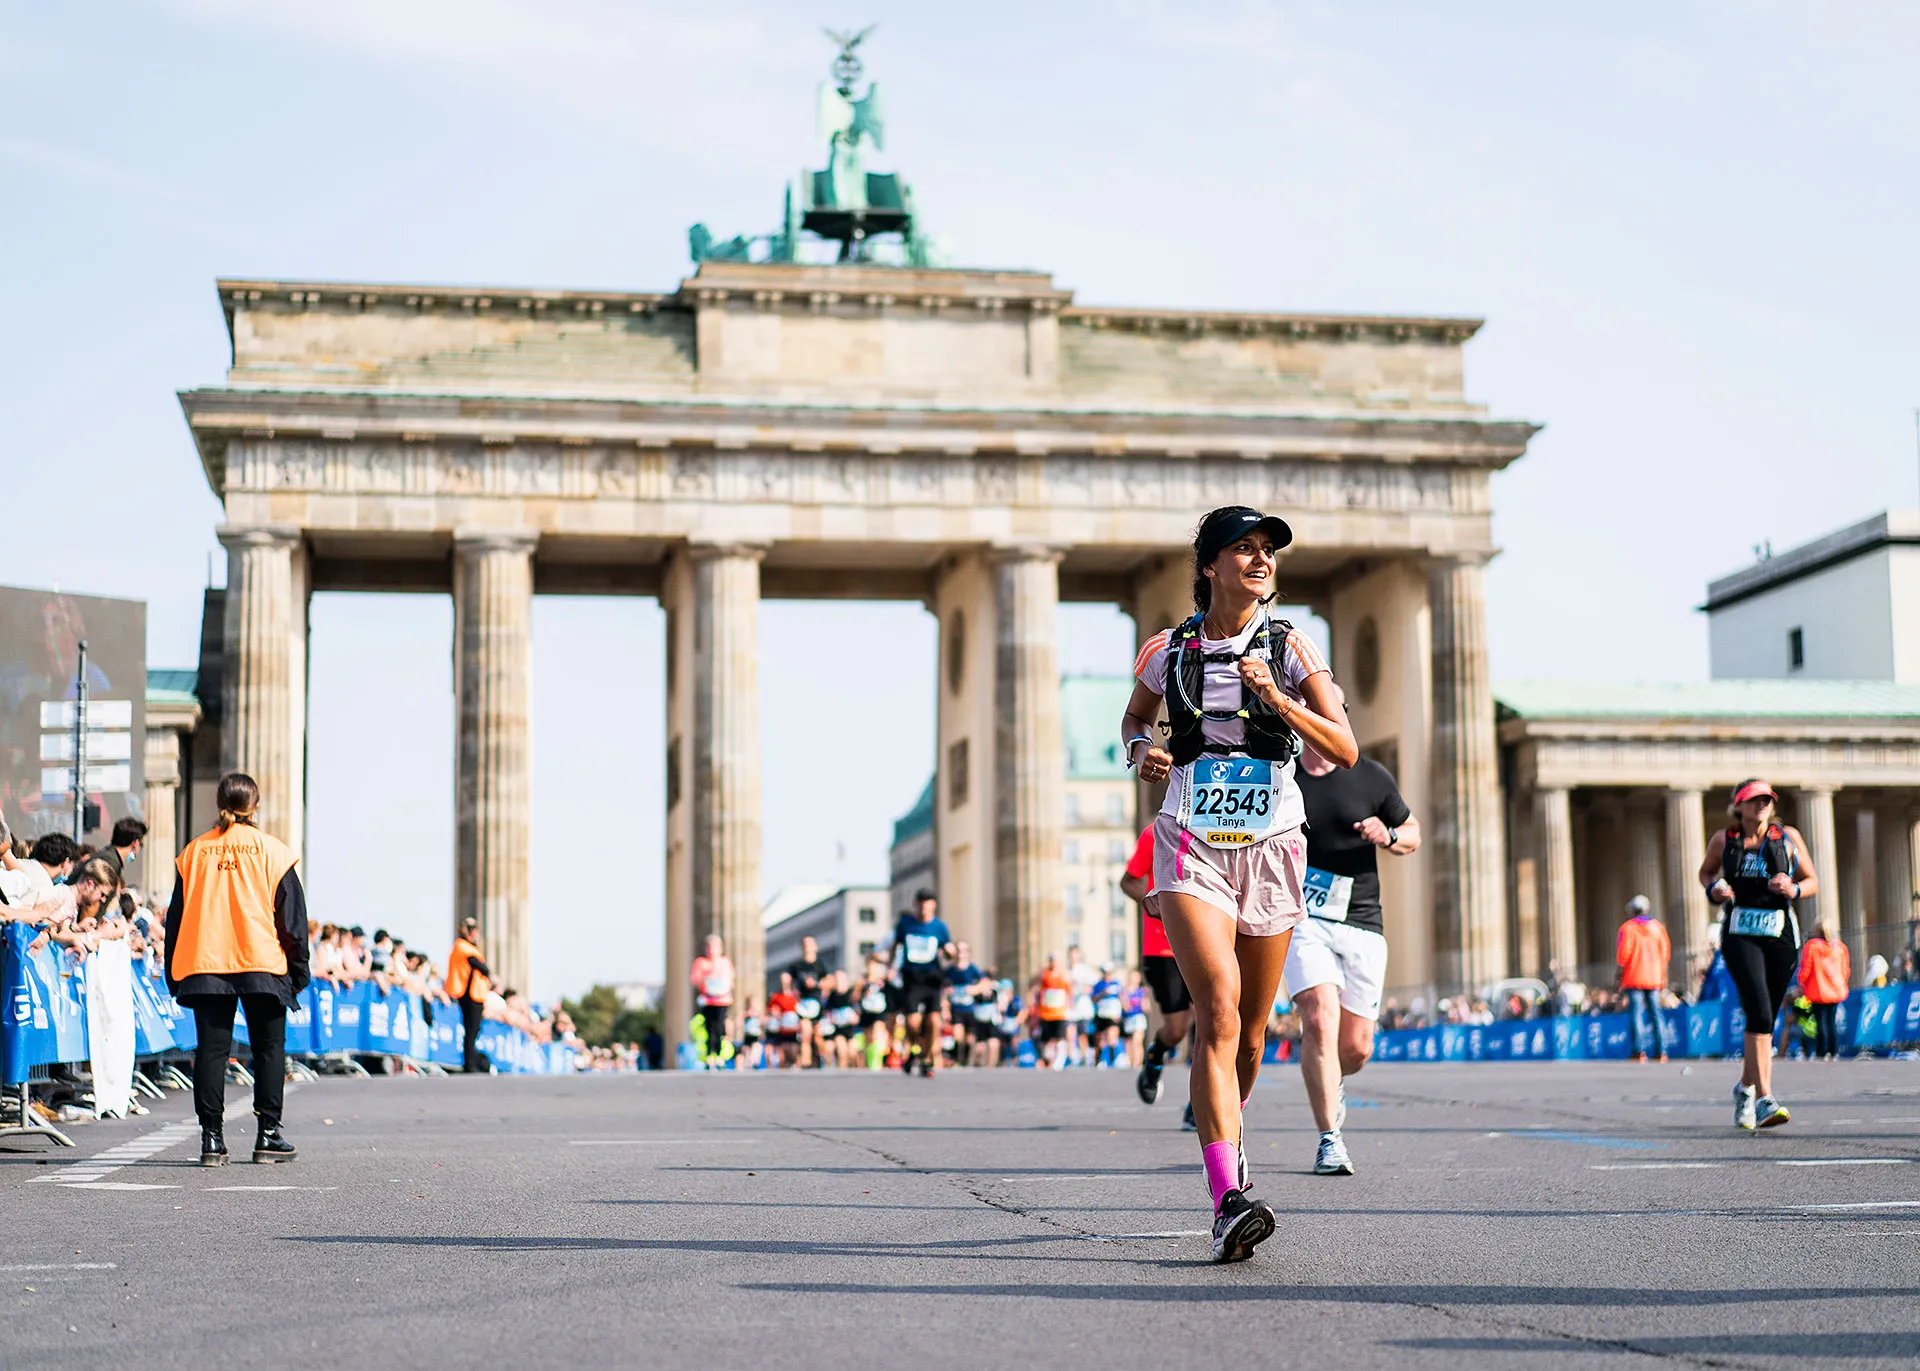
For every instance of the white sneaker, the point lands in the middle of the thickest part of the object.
(1743, 1107)
(1332, 1159)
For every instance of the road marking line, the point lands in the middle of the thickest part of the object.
(1866, 1204)
(81, 1174)
(1657, 1166)
(1129, 1237)
(115, 1185)
(61, 1266)
(228, 1189)
(1585, 1139)
(1849, 1161)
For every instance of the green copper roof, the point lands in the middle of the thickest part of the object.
(916, 820)
(172, 686)
(1732, 699)
(1090, 710)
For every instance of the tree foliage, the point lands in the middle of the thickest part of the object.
(602, 1020)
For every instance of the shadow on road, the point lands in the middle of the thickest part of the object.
(1793, 1345)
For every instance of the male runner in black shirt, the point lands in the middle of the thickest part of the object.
(809, 983)
(1337, 964)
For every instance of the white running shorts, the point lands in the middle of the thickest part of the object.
(1327, 953)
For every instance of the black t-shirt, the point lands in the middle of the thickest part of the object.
(1335, 803)
(807, 977)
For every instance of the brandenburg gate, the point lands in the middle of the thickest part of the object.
(974, 440)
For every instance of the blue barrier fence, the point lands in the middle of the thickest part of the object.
(43, 1019)
(1875, 1019)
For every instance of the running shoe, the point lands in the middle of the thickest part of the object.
(1148, 1082)
(906, 1063)
(1332, 1158)
(1339, 1106)
(1241, 1225)
(1187, 1121)
(1743, 1108)
(1769, 1113)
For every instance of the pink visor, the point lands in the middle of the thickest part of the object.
(1754, 790)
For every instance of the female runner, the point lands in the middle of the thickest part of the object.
(1241, 691)
(1758, 868)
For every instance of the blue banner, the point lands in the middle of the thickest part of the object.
(43, 1019)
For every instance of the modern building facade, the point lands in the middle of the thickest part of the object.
(1845, 607)
(850, 924)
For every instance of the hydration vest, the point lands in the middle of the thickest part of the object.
(1776, 858)
(1268, 736)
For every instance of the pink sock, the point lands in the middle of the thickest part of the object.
(1244, 1103)
(1222, 1160)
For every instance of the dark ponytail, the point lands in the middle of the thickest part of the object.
(236, 797)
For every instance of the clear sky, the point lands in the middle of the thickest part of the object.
(1689, 226)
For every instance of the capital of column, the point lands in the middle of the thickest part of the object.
(1002, 553)
(1473, 559)
(258, 536)
(477, 542)
(713, 552)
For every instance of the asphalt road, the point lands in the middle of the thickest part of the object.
(1503, 1216)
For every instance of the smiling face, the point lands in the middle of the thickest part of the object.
(1243, 570)
(1756, 813)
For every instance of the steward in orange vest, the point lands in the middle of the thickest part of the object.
(467, 986)
(237, 938)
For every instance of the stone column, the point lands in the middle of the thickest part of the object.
(1687, 911)
(162, 843)
(493, 774)
(1029, 760)
(1910, 915)
(1524, 888)
(1897, 882)
(263, 729)
(1813, 805)
(1858, 917)
(724, 753)
(1162, 599)
(1645, 871)
(1553, 830)
(1469, 895)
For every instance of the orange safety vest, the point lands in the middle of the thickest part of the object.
(1642, 952)
(228, 881)
(460, 973)
(1825, 968)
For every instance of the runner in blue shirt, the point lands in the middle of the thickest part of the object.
(969, 995)
(1107, 996)
(920, 945)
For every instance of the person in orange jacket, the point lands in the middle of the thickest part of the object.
(237, 939)
(1642, 951)
(468, 980)
(1826, 968)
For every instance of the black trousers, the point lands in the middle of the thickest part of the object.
(266, 1031)
(472, 1015)
(1826, 1032)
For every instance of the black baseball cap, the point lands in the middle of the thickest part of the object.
(1230, 524)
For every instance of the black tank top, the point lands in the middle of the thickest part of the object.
(1748, 870)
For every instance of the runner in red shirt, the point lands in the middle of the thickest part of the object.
(1162, 974)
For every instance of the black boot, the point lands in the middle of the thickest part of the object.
(213, 1146)
(271, 1146)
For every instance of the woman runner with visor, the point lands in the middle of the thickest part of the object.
(1241, 690)
(1757, 868)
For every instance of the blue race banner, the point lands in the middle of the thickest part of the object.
(27, 1035)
